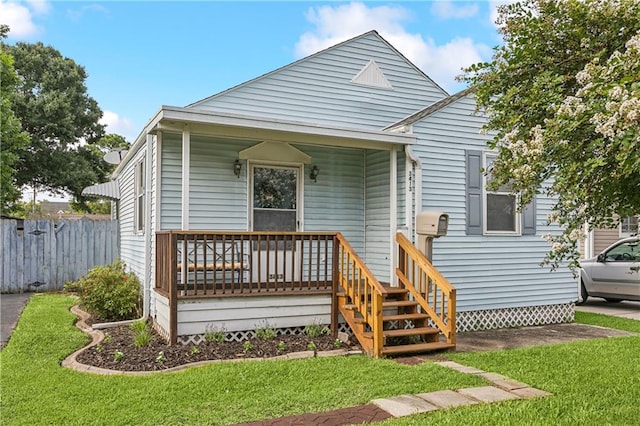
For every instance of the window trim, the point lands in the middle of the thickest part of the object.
(139, 202)
(623, 234)
(485, 202)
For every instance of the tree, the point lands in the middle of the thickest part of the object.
(61, 119)
(12, 138)
(563, 99)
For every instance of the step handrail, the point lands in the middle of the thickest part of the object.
(364, 290)
(433, 292)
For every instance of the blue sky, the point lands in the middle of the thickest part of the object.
(141, 55)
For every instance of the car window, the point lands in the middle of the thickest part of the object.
(625, 252)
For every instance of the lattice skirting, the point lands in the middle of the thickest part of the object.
(240, 336)
(515, 317)
(161, 331)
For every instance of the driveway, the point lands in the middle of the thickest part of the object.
(11, 308)
(623, 309)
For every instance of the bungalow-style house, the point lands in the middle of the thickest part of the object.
(292, 199)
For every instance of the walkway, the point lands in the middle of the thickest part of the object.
(501, 388)
(10, 310)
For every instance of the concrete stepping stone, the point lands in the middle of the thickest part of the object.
(459, 367)
(528, 393)
(447, 399)
(488, 394)
(404, 405)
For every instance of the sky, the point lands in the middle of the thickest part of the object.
(144, 54)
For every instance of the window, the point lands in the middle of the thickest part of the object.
(493, 212)
(139, 209)
(500, 216)
(628, 226)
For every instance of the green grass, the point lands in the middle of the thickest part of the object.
(595, 382)
(35, 389)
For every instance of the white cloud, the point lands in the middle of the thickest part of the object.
(119, 125)
(449, 10)
(78, 13)
(19, 16)
(440, 62)
(493, 10)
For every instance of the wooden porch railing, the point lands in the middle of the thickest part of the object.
(435, 295)
(211, 263)
(365, 292)
(204, 264)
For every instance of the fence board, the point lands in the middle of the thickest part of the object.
(53, 253)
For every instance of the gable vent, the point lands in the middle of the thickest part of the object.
(371, 75)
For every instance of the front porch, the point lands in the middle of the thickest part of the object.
(235, 280)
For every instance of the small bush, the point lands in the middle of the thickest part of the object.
(142, 333)
(109, 293)
(266, 331)
(316, 330)
(215, 334)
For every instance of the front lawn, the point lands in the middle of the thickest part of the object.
(35, 389)
(595, 382)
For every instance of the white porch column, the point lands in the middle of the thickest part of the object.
(393, 214)
(413, 194)
(186, 167)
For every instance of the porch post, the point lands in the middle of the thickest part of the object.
(335, 272)
(186, 171)
(393, 214)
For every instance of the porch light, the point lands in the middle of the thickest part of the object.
(314, 173)
(237, 168)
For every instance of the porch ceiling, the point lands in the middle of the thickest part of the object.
(173, 119)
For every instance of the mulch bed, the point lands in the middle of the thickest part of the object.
(158, 355)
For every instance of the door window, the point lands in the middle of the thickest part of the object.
(275, 196)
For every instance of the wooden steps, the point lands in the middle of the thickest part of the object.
(405, 329)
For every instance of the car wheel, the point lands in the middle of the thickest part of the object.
(583, 294)
(613, 300)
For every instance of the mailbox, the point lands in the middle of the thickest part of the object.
(432, 224)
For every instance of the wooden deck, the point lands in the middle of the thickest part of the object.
(245, 264)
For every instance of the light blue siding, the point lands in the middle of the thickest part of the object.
(132, 247)
(318, 89)
(489, 272)
(336, 201)
(378, 214)
(171, 182)
(218, 199)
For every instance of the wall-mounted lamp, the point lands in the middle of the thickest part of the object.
(237, 168)
(314, 173)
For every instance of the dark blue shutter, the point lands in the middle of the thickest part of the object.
(529, 218)
(474, 192)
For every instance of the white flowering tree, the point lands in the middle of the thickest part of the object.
(563, 98)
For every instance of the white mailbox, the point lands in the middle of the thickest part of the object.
(432, 224)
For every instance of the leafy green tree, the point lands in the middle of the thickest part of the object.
(61, 119)
(12, 138)
(563, 99)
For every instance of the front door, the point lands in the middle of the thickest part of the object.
(275, 195)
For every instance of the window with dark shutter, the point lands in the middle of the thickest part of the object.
(493, 212)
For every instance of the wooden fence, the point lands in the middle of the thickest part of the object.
(43, 255)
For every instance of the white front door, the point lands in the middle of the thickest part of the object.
(274, 207)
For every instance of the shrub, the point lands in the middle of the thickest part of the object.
(109, 293)
(142, 333)
(214, 334)
(316, 330)
(265, 331)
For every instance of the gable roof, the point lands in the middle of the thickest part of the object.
(436, 106)
(307, 58)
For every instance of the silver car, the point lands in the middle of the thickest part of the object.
(614, 274)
